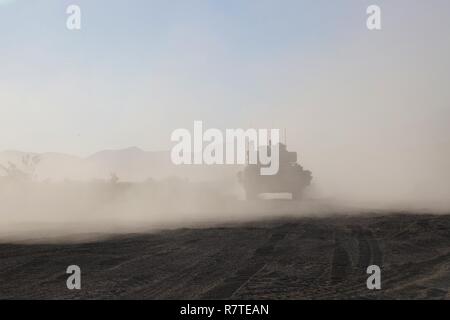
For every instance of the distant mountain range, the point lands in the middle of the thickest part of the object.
(130, 164)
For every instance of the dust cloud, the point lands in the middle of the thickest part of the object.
(367, 112)
(32, 209)
(76, 210)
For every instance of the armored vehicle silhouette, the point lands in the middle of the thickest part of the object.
(291, 177)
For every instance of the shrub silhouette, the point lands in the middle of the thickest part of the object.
(27, 172)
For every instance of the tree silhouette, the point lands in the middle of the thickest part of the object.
(28, 170)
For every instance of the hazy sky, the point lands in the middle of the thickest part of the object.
(368, 111)
(139, 69)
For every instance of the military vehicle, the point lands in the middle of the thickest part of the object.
(291, 177)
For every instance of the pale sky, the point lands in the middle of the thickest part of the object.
(140, 69)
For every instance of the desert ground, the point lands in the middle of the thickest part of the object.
(285, 258)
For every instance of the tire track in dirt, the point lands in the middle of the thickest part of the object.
(341, 262)
(257, 262)
(406, 271)
(347, 278)
(369, 244)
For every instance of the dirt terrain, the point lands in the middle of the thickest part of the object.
(304, 258)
